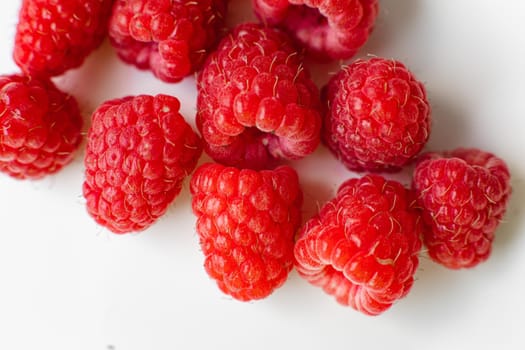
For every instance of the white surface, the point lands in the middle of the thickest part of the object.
(67, 284)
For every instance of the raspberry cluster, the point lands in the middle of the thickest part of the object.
(363, 246)
(54, 36)
(257, 107)
(139, 151)
(170, 37)
(464, 195)
(256, 102)
(39, 125)
(377, 115)
(246, 221)
(327, 29)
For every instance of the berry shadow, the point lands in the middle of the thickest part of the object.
(90, 85)
(240, 11)
(176, 228)
(449, 129)
(395, 17)
(180, 210)
(514, 219)
(320, 176)
(321, 73)
(434, 286)
(295, 298)
(316, 194)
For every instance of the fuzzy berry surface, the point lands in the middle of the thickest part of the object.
(139, 151)
(39, 127)
(377, 115)
(327, 29)
(54, 36)
(256, 103)
(246, 222)
(170, 37)
(463, 195)
(363, 246)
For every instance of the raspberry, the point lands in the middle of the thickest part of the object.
(256, 103)
(139, 151)
(464, 195)
(328, 29)
(170, 37)
(39, 127)
(378, 116)
(363, 246)
(54, 36)
(246, 221)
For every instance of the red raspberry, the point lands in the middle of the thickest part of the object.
(39, 127)
(246, 221)
(328, 29)
(363, 246)
(54, 36)
(256, 103)
(139, 151)
(170, 37)
(378, 116)
(464, 195)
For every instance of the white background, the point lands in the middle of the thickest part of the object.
(68, 284)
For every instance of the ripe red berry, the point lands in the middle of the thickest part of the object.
(139, 151)
(256, 103)
(39, 127)
(246, 221)
(328, 29)
(377, 115)
(54, 36)
(363, 246)
(464, 195)
(170, 37)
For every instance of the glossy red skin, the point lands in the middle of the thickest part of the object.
(54, 36)
(326, 29)
(139, 151)
(464, 195)
(362, 247)
(246, 222)
(39, 127)
(377, 115)
(256, 103)
(170, 37)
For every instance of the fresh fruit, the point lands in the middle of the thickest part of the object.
(246, 222)
(363, 246)
(39, 127)
(54, 36)
(170, 37)
(256, 103)
(463, 195)
(377, 115)
(327, 29)
(139, 151)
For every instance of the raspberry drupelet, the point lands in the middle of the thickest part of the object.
(463, 195)
(54, 36)
(39, 127)
(246, 222)
(170, 37)
(256, 103)
(139, 151)
(377, 115)
(363, 246)
(327, 29)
